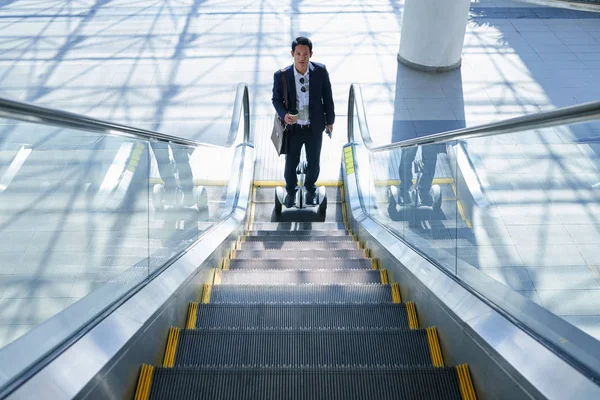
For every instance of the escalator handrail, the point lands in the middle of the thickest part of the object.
(562, 116)
(16, 110)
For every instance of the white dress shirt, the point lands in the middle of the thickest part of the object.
(302, 97)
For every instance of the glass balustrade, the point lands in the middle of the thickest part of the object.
(86, 216)
(522, 208)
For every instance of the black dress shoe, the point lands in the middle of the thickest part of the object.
(289, 201)
(311, 198)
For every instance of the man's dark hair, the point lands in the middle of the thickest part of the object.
(302, 41)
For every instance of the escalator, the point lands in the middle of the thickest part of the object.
(227, 299)
(299, 309)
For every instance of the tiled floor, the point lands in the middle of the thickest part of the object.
(173, 66)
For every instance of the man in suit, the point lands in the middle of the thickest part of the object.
(309, 93)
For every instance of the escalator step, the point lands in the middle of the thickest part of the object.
(302, 294)
(414, 383)
(299, 254)
(360, 263)
(297, 226)
(315, 348)
(333, 244)
(294, 237)
(295, 277)
(272, 316)
(296, 234)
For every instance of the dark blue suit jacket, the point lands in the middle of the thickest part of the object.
(320, 100)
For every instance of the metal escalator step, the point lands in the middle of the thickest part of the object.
(307, 254)
(301, 294)
(299, 238)
(296, 316)
(300, 245)
(412, 383)
(298, 226)
(357, 263)
(299, 234)
(315, 348)
(297, 277)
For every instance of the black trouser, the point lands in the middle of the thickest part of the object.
(429, 158)
(312, 144)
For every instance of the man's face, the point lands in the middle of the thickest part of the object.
(301, 56)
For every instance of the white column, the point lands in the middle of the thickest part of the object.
(433, 33)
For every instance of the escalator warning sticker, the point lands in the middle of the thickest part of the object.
(349, 160)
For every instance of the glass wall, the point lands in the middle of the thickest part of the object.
(522, 208)
(85, 217)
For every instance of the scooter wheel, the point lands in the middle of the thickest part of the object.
(323, 206)
(392, 193)
(436, 197)
(278, 204)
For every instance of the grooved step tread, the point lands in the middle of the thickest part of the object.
(349, 264)
(314, 348)
(301, 245)
(301, 254)
(298, 277)
(297, 226)
(302, 294)
(296, 238)
(276, 316)
(300, 235)
(414, 383)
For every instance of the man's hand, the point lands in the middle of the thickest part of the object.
(330, 127)
(289, 119)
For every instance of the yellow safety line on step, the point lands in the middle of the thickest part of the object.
(238, 244)
(434, 347)
(252, 209)
(344, 214)
(169, 359)
(464, 381)
(461, 211)
(384, 276)
(206, 293)
(231, 254)
(272, 183)
(225, 266)
(374, 263)
(217, 276)
(413, 322)
(367, 253)
(344, 218)
(142, 392)
(396, 293)
(192, 314)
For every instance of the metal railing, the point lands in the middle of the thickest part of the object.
(562, 116)
(41, 115)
